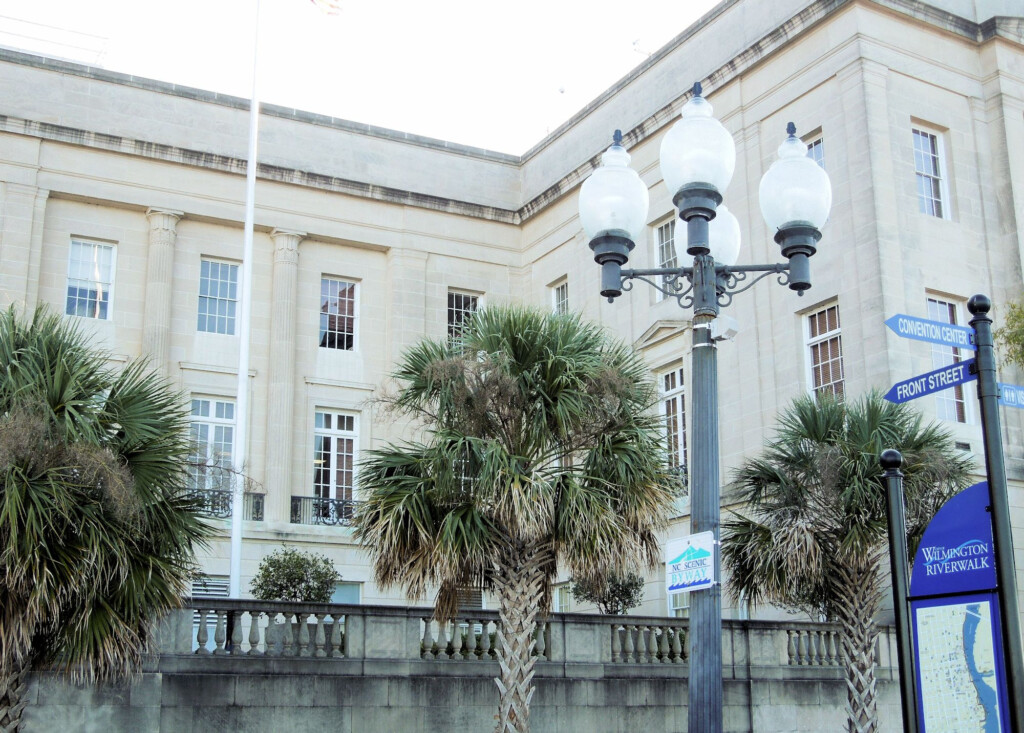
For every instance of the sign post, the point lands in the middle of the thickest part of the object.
(891, 461)
(988, 399)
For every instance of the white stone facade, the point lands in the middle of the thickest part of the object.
(157, 172)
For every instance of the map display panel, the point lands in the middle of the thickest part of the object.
(957, 667)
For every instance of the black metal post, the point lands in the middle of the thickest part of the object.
(891, 461)
(704, 711)
(988, 399)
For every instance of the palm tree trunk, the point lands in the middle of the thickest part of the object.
(12, 697)
(858, 635)
(518, 582)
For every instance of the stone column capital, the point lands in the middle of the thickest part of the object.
(286, 244)
(163, 218)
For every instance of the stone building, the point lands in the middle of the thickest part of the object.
(122, 205)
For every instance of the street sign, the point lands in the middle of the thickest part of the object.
(934, 381)
(690, 563)
(936, 332)
(1011, 395)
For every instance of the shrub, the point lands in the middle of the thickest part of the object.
(290, 575)
(613, 595)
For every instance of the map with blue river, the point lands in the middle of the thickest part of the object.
(957, 668)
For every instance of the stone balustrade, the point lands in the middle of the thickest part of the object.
(252, 630)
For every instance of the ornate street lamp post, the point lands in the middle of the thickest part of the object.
(697, 160)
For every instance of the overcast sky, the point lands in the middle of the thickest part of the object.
(495, 75)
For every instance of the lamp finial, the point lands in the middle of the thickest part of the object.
(791, 129)
(697, 89)
(617, 138)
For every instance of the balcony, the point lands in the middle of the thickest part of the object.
(327, 512)
(217, 503)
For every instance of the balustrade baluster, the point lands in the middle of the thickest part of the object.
(833, 655)
(791, 647)
(629, 643)
(616, 656)
(485, 639)
(427, 643)
(641, 644)
(236, 632)
(442, 641)
(663, 644)
(254, 633)
(303, 620)
(652, 644)
(801, 648)
(287, 636)
(541, 646)
(202, 634)
(470, 652)
(456, 639)
(219, 633)
(321, 638)
(335, 651)
(677, 645)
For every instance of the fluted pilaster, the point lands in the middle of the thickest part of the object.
(156, 322)
(281, 371)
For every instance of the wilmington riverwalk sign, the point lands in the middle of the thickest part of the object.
(958, 658)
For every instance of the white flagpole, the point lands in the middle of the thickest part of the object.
(245, 318)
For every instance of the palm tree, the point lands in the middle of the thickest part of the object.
(96, 537)
(539, 448)
(815, 538)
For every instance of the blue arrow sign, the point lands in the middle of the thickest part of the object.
(936, 332)
(934, 381)
(1011, 395)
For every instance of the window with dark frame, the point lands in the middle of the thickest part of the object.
(337, 314)
(825, 351)
(461, 307)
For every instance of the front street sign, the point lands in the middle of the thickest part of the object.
(936, 332)
(934, 381)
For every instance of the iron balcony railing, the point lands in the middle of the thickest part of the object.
(217, 503)
(330, 512)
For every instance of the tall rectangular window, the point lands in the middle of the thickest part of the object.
(929, 168)
(949, 403)
(461, 306)
(666, 235)
(560, 598)
(212, 432)
(338, 305)
(679, 604)
(90, 279)
(218, 297)
(816, 150)
(334, 455)
(560, 298)
(825, 351)
(673, 407)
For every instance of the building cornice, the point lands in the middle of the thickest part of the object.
(1007, 28)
